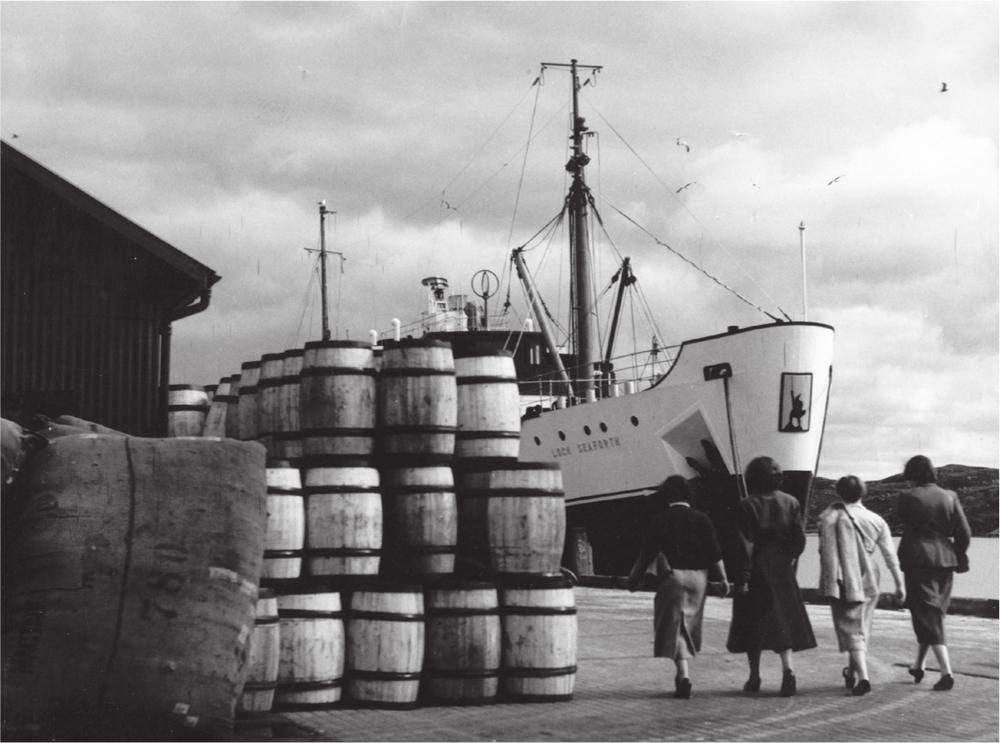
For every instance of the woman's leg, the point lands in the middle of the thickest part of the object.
(859, 663)
(786, 661)
(921, 655)
(682, 667)
(944, 662)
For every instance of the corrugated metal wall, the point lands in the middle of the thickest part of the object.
(82, 314)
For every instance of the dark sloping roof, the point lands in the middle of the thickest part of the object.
(201, 274)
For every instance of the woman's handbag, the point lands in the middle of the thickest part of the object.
(646, 575)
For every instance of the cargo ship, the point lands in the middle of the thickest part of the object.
(618, 426)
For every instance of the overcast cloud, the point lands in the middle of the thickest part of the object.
(218, 126)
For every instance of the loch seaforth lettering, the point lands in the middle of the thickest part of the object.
(610, 442)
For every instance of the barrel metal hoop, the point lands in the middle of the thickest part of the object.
(327, 432)
(259, 686)
(461, 673)
(538, 672)
(269, 382)
(272, 490)
(185, 408)
(486, 380)
(263, 621)
(417, 372)
(337, 371)
(462, 612)
(391, 429)
(311, 685)
(341, 552)
(466, 435)
(309, 614)
(383, 675)
(429, 549)
(248, 390)
(516, 493)
(340, 489)
(416, 489)
(537, 611)
(384, 616)
(277, 554)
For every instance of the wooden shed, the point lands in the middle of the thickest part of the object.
(88, 298)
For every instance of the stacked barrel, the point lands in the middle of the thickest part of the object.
(411, 556)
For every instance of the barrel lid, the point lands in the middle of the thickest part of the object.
(272, 357)
(185, 387)
(336, 344)
(234, 378)
(292, 352)
(250, 364)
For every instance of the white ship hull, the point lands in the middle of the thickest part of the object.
(616, 449)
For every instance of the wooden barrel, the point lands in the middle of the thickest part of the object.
(462, 647)
(233, 407)
(385, 645)
(215, 419)
(311, 671)
(488, 403)
(417, 403)
(249, 376)
(472, 558)
(286, 523)
(539, 638)
(525, 513)
(421, 521)
(187, 406)
(344, 518)
(266, 404)
(144, 551)
(337, 399)
(210, 390)
(264, 656)
(287, 434)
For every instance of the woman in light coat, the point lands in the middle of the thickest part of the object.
(849, 535)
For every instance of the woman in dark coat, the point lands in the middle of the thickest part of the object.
(932, 549)
(768, 611)
(687, 539)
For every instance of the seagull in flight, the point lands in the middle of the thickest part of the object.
(944, 87)
(685, 145)
(686, 185)
(835, 180)
(446, 205)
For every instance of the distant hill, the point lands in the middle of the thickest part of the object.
(976, 487)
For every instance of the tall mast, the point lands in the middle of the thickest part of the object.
(584, 341)
(322, 267)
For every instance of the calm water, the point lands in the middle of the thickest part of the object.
(981, 582)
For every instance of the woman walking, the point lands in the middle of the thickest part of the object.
(768, 611)
(849, 534)
(686, 539)
(932, 549)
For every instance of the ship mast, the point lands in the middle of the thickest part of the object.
(323, 211)
(584, 337)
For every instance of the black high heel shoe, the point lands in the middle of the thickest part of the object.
(849, 680)
(917, 673)
(682, 688)
(864, 686)
(752, 684)
(945, 683)
(787, 685)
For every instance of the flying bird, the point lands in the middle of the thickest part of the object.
(685, 145)
(944, 87)
(834, 180)
(685, 186)
(446, 205)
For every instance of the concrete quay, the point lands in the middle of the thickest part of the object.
(622, 693)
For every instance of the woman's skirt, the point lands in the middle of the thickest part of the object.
(928, 594)
(852, 621)
(678, 610)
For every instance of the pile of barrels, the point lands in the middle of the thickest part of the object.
(410, 558)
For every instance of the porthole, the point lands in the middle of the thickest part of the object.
(586, 430)
(635, 421)
(562, 436)
(538, 441)
(604, 427)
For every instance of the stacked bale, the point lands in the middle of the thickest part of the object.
(133, 594)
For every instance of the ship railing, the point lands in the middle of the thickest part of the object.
(626, 374)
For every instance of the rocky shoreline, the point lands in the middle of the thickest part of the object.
(977, 489)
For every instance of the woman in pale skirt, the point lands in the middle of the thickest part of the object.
(849, 535)
(686, 539)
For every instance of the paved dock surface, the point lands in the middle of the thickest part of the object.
(622, 693)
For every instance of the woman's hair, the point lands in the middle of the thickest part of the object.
(919, 470)
(763, 475)
(850, 489)
(675, 490)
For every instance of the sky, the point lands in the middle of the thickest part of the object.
(218, 127)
